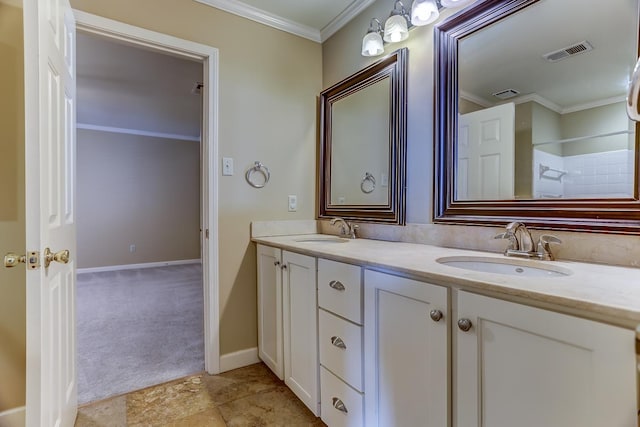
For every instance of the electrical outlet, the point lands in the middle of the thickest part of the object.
(293, 203)
(132, 248)
(227, 166)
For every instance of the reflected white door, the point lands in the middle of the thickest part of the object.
(486, 154)
(49, 31)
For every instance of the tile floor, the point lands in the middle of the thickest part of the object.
(250, 396)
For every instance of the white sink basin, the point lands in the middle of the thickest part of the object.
(511, 267)
(322, 239)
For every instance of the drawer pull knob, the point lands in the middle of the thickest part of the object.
(284, 266)
(337, 341)
(436, 315)
(339, 405)
(276, 263)
(464, 324)
(335, 284)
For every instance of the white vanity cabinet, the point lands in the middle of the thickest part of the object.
(406, 352)
(288, 321)
(522, 366)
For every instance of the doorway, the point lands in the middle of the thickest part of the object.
(207, 58)
(139, 284)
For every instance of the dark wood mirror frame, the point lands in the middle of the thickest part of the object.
(620, 216)
(393, 66)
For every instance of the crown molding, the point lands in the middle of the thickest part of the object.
(353, 10)
(275, 21)
(264, 17)
(594, 104)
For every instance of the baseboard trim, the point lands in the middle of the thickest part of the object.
(13, 417)
(136, 266)
(239, 359)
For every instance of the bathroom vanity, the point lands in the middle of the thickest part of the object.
(375, 333)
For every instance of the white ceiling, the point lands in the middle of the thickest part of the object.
(316, 20)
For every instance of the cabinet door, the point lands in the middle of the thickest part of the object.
(270, 347)
(406, 352)
(528, 367)
(301, 328)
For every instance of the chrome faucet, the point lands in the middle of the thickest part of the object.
(521, 243)
(346, 228)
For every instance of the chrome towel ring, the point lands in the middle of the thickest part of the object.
(368, 183)
(260, 168)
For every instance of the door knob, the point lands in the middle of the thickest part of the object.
(464, 324)
(11, 259)
(60, 256)
(32, 259)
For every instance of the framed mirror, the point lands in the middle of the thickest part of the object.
(530, 115)
(362, 161)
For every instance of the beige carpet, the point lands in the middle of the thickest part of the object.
(138, 328)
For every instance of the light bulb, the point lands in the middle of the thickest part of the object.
(395, 29)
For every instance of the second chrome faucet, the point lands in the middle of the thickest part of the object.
(346, 228)
(521, 243)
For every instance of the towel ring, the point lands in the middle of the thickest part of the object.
(372, 183)
(258, 167)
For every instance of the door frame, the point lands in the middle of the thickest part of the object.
(93, 24)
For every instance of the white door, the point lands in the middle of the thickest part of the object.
(300, 321)
(270, 308)
(49, 31)
(527, 367)
(486, 154)
(406, 352)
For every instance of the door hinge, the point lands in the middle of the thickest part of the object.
(206, 233)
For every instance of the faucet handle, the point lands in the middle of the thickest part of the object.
(513, 242)
(544, 246)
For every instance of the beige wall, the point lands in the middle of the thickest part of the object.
(269, 81)
(12, 225)
(136, 190)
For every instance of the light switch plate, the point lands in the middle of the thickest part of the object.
(227, 166)
(293, 203)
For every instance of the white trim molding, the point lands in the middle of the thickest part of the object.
(275, 21)
(137, 266)
(13, 417)
(239, 359)
(111, 129)
(209, 57)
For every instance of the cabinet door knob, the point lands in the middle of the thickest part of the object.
(337, 285)
(436, 315)
(464, 324)
(339, 405)
(337, 341)
(276, 263)
(284, 266)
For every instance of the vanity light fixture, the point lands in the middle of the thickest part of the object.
(372, 44)
(397, 26)
(424, 12)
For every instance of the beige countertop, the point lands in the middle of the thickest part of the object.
(599, 292)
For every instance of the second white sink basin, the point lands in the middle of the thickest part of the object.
(508, 266)
(322, 239)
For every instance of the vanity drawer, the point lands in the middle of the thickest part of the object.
(341, 406)
(340, 289)
(341, 348)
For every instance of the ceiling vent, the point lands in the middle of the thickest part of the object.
(197, 88)
(506, 94)
(566, 52)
